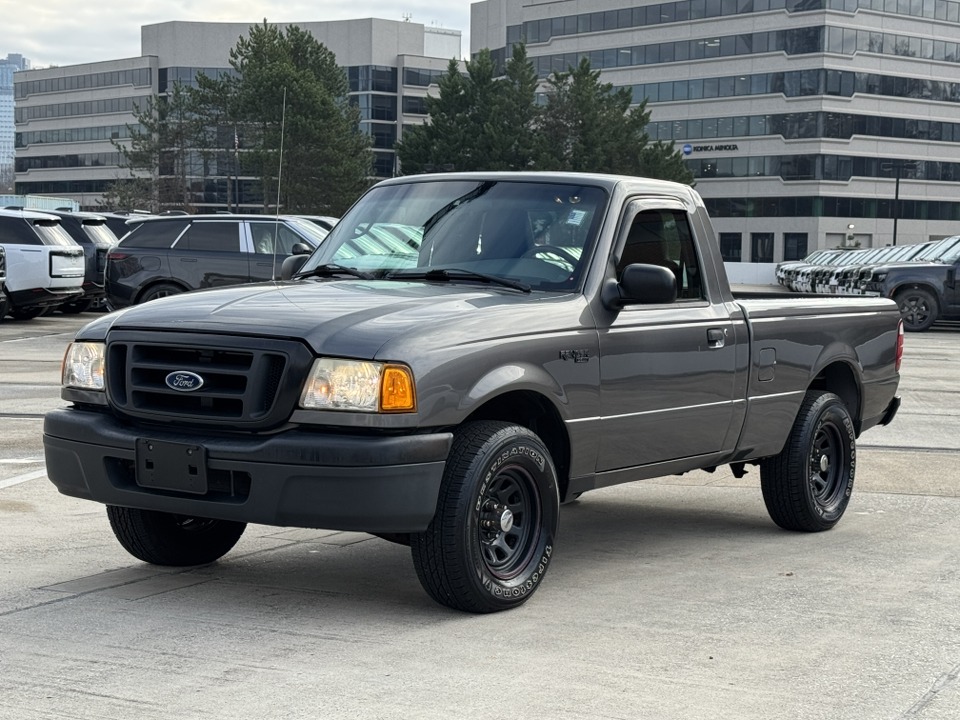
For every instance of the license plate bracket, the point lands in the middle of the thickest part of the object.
(179, 467)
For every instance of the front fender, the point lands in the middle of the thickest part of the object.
(508, 378)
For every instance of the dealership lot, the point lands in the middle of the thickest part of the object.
(673, 598)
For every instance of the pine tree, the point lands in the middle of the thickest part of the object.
(587, 126)
(161, 154)
(289, 82)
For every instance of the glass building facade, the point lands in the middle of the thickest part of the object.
(793, 115)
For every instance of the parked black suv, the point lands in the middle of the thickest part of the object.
(178, 253)
(925, 288)
(91, 232)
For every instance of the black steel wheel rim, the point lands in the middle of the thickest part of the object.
(826, 465)
(509, 522)
(914, 310)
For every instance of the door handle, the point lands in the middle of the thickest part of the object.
(188, 259)
(716, 338)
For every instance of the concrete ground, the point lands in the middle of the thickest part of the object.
(670, 599)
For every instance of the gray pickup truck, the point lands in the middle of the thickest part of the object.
(463, 354)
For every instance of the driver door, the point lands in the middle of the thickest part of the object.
(667, 372)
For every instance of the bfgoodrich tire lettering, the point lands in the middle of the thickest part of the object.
(808, 485)
(161, 538)
(491, 541)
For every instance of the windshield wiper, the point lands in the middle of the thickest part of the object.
(331, 269)
(448, 274)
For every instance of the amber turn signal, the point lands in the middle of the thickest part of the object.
(397, 393)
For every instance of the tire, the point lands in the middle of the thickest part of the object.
(918, 308)
(160, 538)
(159, 291)
(76, 307)
(27, 313)
(490, 543)
(807, 486)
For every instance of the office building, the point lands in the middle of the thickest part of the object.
(8, 66)
(795, 115)
(67, 116)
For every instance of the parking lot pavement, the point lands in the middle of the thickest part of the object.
(675, 598)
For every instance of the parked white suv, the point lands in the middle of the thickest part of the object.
(45, 267)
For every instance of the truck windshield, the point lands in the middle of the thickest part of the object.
(937, 249)
(538, 234)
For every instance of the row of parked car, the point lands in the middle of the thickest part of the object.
(922, 278)
(74, 261)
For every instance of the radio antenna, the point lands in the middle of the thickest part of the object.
(276, 222)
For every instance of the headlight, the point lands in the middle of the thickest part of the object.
(356, 385)
(879, 277)
(83, 366)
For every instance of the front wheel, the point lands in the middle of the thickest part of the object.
(161, 538)
(490, 543)
(807, 486)
(918, 308)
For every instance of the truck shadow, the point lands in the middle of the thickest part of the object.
(602, 537)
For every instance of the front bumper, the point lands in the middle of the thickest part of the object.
(378, 484)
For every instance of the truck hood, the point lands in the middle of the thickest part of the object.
(351, 318)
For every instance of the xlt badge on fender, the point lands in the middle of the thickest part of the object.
(184, 381)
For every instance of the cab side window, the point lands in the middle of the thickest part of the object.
(663, 237)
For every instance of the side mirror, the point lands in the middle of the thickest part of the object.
(301, 249)
(291, 266)
(640, 285)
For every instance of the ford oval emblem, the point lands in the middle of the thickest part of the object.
(184, 381)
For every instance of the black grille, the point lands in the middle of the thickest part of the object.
(247, 382)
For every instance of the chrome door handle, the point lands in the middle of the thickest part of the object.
(716, 338)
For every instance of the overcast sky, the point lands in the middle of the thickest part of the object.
(66, 32)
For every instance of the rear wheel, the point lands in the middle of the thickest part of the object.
(162, 538)
(918, 308)
(808, 485)
(159, 291)
(27, 313)
(490, 542)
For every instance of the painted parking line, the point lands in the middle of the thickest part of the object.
(17, 479)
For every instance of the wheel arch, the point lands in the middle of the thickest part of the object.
(536, 412)
(158, 281)
(916, 285)
(840, 378)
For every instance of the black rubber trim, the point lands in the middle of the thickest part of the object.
(87, 397)
(891, 411)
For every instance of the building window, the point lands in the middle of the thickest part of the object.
(376, 107)
(761, 247)
(372, 78)
(730, 246)
(137, 77)
(421, 77)
(794, 246)
(383, 164)
(384, 135)
(413, 105)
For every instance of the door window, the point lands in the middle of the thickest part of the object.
(264, 234)
(663, 237)
(212, 237)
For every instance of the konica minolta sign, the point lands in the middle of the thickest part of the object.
(688, 148)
